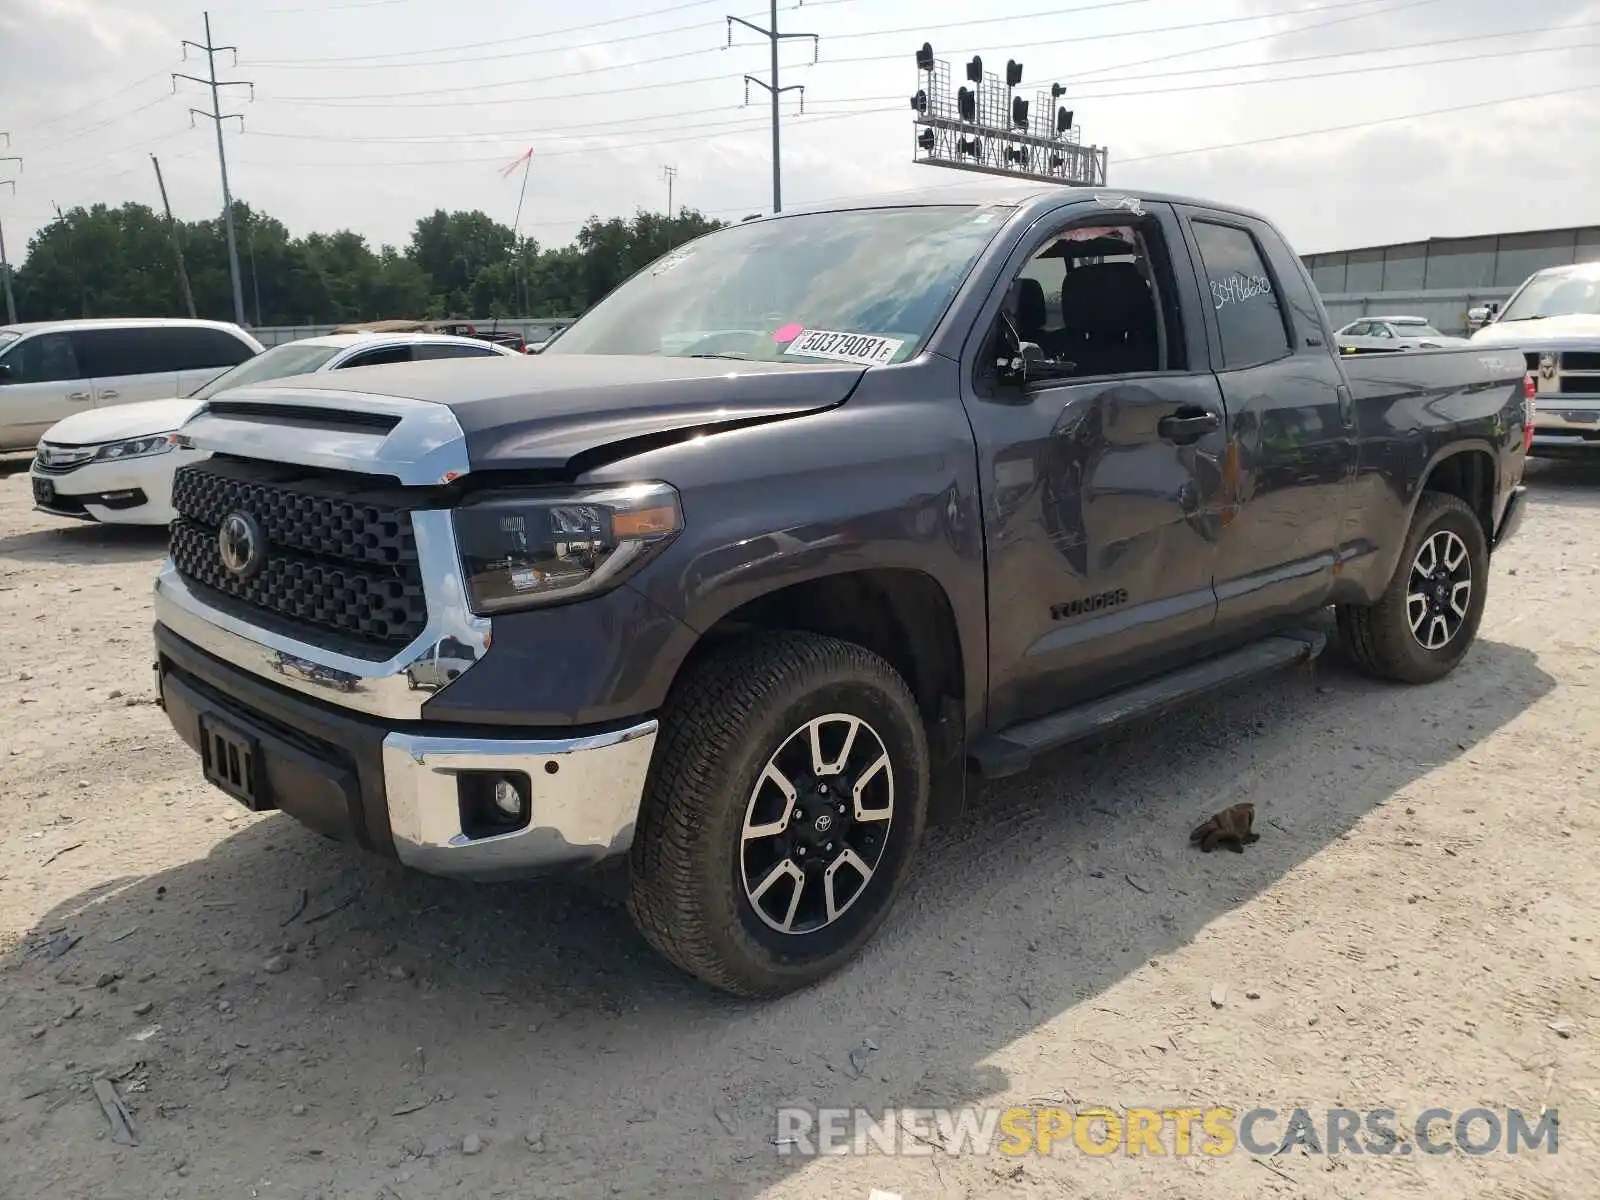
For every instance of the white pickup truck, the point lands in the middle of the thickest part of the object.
(1554, 319)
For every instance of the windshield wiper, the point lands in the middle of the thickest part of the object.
(739, 357)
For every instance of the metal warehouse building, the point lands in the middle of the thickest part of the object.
(1442, 278)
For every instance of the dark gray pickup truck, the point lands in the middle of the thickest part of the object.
(743, 575)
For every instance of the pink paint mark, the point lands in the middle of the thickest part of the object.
(788, 333)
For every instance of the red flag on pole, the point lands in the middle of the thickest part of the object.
(516, 162)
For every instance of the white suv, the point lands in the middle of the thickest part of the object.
(53, 369)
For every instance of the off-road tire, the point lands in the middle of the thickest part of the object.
(1377, 637)
(721, 724)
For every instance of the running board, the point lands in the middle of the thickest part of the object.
(1012, 750)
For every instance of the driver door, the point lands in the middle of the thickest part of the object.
(1102, 473)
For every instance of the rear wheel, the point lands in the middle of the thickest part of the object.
(786, 799)
(1428, 616)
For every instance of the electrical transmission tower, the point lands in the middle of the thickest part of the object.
(669, 174)
(216, 116)
(772, 35)
(5, 264)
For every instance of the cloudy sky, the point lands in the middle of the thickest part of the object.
(370, 113)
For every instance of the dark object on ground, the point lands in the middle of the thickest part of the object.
(1230, 828)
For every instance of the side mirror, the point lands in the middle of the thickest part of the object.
(1016, 363)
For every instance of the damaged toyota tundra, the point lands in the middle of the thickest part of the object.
(733, 587)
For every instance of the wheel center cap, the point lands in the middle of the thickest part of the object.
(823, 823)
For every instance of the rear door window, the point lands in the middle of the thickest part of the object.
(197, 348)
(382, 356)
(1249, 316)
(424, 350)
(44, 358)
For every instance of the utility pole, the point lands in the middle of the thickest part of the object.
(72, 255)
(5, 264)
(177, 242)
(255, 278)
(669, 174)
(217, 117)
(772, 35)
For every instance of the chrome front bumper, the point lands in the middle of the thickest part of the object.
(359, 779)
(586, 795)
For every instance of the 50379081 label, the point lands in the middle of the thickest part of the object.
(869, 350)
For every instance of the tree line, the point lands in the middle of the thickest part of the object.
(104, 262)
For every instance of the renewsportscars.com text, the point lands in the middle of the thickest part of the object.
(1185, 1130)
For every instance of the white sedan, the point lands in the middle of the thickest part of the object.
(1380, 334)
(116, 464)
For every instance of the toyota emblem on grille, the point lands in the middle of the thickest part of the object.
(241, 545)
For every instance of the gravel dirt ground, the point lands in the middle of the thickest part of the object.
(1415, 929)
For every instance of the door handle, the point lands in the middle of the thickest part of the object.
(78, 396)
(108, 394)
(1187, 425)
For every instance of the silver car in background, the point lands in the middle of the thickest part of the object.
(1387, 334)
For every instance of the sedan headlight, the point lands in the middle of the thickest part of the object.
(527, 548)
(144, 447)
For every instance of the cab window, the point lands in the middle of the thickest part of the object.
(1250, 319)
(1097, 300)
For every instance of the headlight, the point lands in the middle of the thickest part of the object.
(527, 548)
(156, 443)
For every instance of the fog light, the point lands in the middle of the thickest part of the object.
(494, 802)
(508, 799)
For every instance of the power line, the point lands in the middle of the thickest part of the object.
(328, 8)
(490, 135)
(321, 64)
(1433, 62)
(82, 108)
(1415, 116)
(1257, 38)
(217, 117)
(1347, 127)
(528, 37)
(704, 130)
(737, 127)
(359, 101)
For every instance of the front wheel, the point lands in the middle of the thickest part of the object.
(1427, 618)
(786, 799)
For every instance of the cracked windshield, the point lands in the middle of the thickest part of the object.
(865, 286)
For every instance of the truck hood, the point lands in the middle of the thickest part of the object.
(542, 412)
(95, 426)
(1579, 327)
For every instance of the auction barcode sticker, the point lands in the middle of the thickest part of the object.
(866, 349)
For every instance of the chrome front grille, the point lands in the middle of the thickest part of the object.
(58, 460)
